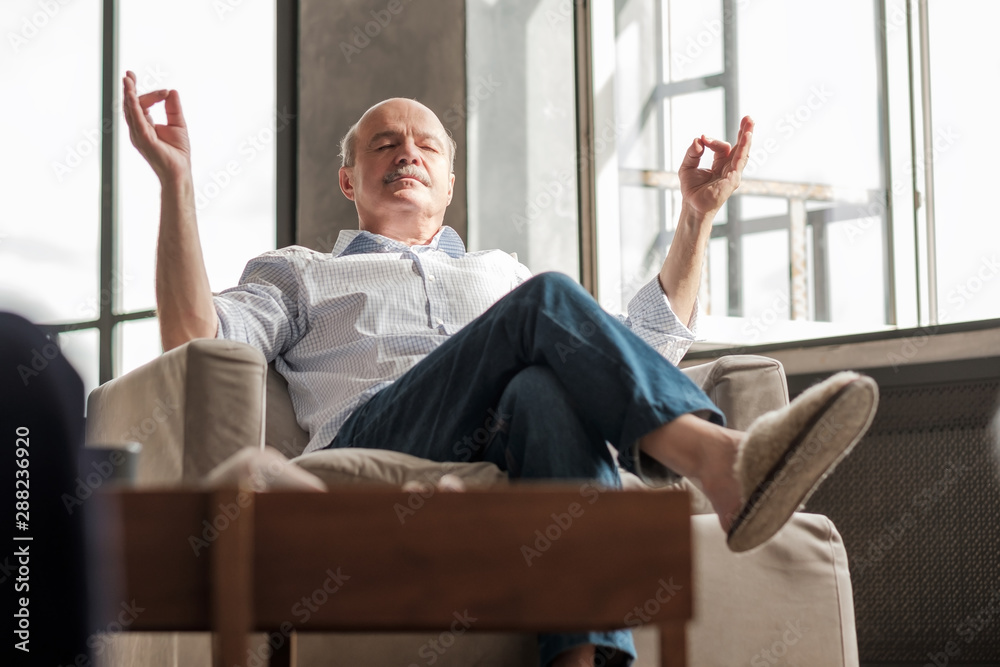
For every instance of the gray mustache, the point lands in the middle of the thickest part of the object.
(411, 171)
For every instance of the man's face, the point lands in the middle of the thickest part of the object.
(401, 163)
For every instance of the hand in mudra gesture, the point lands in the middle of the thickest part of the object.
(706, 190)
(166, 148)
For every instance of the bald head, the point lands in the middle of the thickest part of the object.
(397, 105)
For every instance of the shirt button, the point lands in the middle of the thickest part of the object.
(438, 321)
(430, 276)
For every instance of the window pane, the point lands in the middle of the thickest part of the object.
(521, 127)
(814, 99)
(856, 286)
(220, 57)
(49, 231)
(765, 275)
(138, 343)
(964, 58)
(695, 31)
(635, 85)
(643, 242)
(692, 116)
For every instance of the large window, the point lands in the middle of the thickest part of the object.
(521, 129)
(864, 205)
(82, 265)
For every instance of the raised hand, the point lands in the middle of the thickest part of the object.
(166, 148)
(706, 190)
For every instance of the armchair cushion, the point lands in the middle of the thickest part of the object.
(366, 466)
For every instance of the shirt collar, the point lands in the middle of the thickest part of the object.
(359, 242)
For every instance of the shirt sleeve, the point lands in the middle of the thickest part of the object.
(521, 272)
(264, 310)
(652, 319)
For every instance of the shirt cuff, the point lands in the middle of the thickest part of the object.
(651, 306)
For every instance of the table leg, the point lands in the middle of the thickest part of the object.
(231, 513)
(673, 645)
(285, 655)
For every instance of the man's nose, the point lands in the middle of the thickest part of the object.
(408, 153)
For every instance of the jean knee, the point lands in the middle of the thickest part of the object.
(552, 282)
(534, 382)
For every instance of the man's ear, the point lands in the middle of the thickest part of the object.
(451, 188)
(347, 182)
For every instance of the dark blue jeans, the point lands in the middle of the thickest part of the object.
(537, 385)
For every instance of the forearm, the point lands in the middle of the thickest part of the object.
(183, 296)
(680, 276)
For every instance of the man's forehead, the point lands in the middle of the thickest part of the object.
(400, 115)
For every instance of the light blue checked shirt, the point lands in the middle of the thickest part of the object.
(341, 326)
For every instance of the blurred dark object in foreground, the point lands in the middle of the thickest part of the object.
(43, 557)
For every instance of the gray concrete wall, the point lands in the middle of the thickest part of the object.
(352, 54)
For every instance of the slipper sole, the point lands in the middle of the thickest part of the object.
(813, 454)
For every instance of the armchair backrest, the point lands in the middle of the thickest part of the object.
(281, 429)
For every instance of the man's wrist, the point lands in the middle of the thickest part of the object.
(177, 184)
(693, 217)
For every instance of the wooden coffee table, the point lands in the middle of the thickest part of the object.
(522, 559)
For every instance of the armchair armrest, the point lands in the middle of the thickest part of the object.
(191, 409)
(744, 386)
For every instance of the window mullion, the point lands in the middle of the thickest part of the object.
(107, 296)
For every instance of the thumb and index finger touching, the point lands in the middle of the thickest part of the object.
(164, 146)
(723, 150)
(137, 106)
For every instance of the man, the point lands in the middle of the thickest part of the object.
(400, 339)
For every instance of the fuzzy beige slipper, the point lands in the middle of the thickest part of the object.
(787, 453)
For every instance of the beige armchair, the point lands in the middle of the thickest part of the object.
(197, 405)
